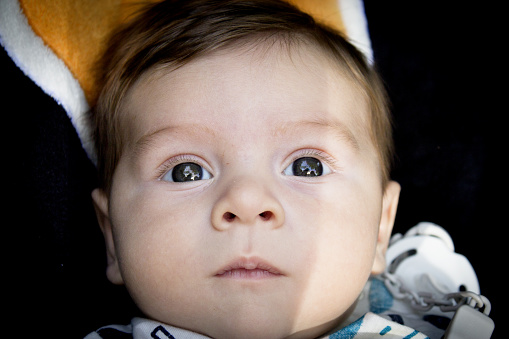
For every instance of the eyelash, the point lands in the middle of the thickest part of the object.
(320, 155)
(172, 162)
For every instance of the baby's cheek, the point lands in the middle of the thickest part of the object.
(144, 268)
(335, 280)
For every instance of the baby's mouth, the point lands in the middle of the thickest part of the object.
(249, 268)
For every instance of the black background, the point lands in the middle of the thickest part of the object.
(444, 70)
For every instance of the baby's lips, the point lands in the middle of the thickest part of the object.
(249, 264)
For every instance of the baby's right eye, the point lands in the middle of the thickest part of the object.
(187, 171)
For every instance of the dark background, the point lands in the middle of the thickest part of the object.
(445, 74)
(443, 70)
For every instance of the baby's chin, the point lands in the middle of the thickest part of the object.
(268, 331)
(267, 327)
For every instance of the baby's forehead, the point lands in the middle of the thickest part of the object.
(247, 73)
(303, 54)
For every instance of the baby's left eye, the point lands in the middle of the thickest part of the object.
(187, 171)
(307, 167)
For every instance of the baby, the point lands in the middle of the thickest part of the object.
(244, 155)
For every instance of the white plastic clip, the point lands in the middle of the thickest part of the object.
(469, 323)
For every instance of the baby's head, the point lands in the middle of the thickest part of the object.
(244, 153)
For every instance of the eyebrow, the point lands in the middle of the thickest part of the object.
(148, 140)
(339, 129)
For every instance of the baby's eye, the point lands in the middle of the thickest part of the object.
(187, 171)
(307, 167)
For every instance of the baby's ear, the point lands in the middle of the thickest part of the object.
(100, 200)
(389, 207)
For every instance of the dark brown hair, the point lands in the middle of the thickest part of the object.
(174, 32)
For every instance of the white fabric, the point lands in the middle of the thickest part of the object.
(369, 326)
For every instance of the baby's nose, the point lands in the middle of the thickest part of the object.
(247, 202)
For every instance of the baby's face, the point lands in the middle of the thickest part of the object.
(248, 201)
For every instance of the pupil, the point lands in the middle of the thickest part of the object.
(307, 167)
(187, 171)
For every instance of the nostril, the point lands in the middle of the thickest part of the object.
(267, 215)
(228, 216)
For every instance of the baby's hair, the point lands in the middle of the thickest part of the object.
(175, 32)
